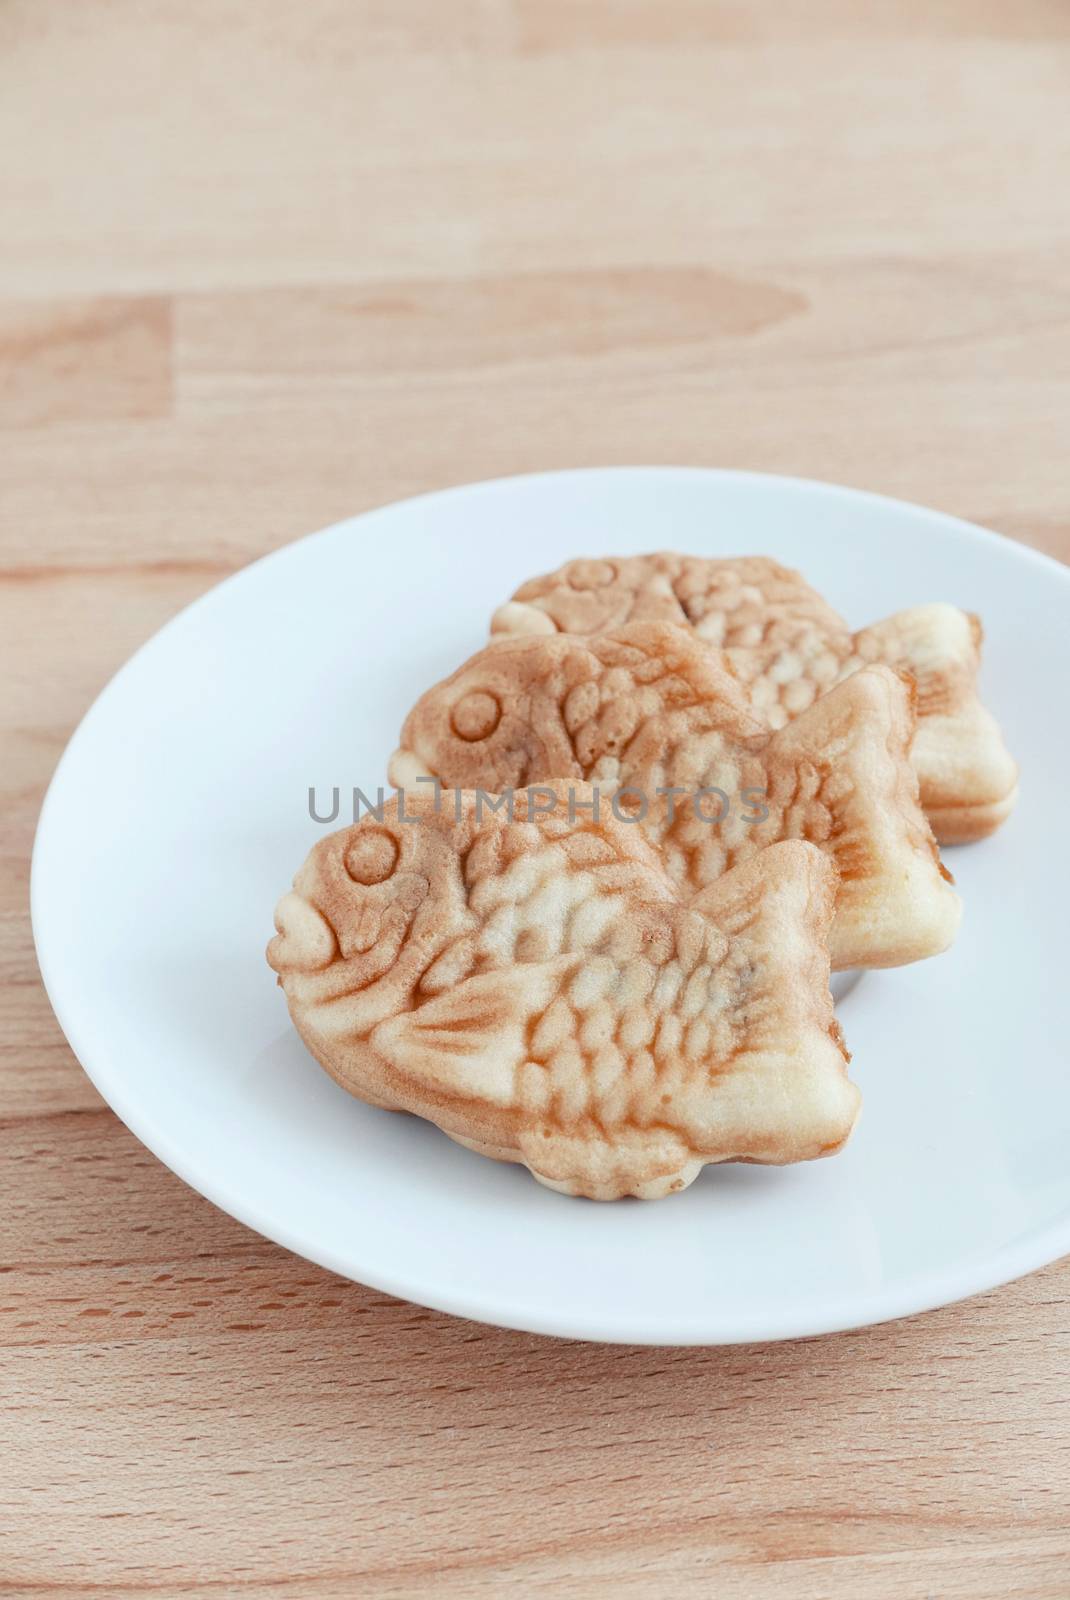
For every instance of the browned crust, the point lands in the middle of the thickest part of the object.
(649, 708)
(790, 647)
(546, 997)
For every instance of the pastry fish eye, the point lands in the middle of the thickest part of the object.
(476, 715)
(372, 856)
(591, 574)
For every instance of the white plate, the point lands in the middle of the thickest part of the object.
(179, 813)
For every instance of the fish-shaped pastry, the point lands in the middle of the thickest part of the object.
(652, 716)
(789, 647)
(537, 989)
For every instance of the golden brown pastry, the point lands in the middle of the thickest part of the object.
(536, 988)
(790, 647)
(648, 708)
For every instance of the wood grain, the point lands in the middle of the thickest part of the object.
(267, 265)
(73, 360)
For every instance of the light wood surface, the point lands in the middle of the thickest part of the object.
(268, 264)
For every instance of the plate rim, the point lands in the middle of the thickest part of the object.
(932, 1290)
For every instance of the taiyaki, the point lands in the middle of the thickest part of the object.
(789, 647)
(537, 989)
(651, 716)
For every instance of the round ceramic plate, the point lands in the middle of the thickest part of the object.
(180, 812)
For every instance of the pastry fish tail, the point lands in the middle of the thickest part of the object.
(968, 781)
(774, 1087)
(844, 779)
(714, 1041)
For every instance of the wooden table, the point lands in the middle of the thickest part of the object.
(268, 264)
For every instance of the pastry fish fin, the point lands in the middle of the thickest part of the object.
(845, 762)
(468, 1043)
(785, 1095)
(968, 781)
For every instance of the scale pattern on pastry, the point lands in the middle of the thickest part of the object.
(535, 987)
(648, 707)
(790, 647)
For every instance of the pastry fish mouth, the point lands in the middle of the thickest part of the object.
(520, 617)
(406, 769)
(307, 942)
(326, 965)
(304, 941)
